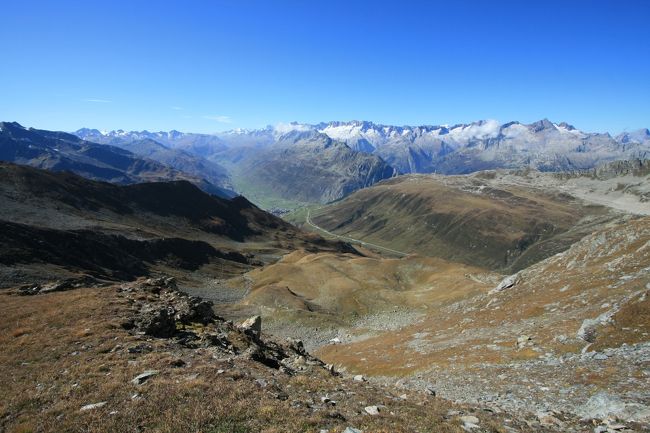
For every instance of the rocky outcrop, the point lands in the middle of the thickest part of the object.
(162, 311)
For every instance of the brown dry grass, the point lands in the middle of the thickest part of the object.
(344, 285)
(455, 218)
(556, 295)
(62, 351)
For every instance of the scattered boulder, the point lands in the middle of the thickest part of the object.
(29, 289)
(548, 420)
(143, 377)
(588, 329)
(359, 378)
(352, 430)
(562, 339)
(524, 341)
(162, 310)
(93, 405)
(177, 363)
(372, 410)
(252, 326)
(469, 422)
(603, 405)
(59, 285)
(506, 283)
(296, 345)
(469, 419)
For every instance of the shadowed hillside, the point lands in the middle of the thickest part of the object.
(79, 225)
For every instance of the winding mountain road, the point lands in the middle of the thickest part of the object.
(351, 240)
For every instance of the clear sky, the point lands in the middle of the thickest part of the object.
(206, 66)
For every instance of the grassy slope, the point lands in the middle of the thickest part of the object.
(62, 351)
(552, 298)
(461, 219)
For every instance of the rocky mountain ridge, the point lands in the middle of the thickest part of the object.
(460, 148)
(59, 151)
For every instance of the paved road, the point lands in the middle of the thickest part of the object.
(351, 240)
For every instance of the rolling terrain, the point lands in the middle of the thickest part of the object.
(318, 297)
(569, 333)
(475, 219)
(143, 356)
(61, 223)
(520, 293)
(562, 331)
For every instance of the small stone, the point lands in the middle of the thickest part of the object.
(94, 405)
(506, 283)
(523, 341)
(600, 357)
(142, 378)
(352, 430)
(372, 410)
(469, 419)
(359, 378)
(431, 390)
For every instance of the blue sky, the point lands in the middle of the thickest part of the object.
(206, 66)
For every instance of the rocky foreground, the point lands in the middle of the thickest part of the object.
(144, 356)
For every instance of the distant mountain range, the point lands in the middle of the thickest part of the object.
(457, 149)
(466, 148)
(151, 146)
(292, 164)
(60, 151)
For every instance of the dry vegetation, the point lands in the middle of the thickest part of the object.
(62, 351)
(469, 219)
(606, 270)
